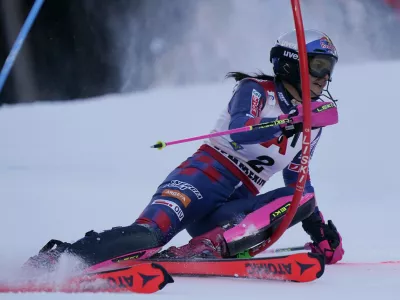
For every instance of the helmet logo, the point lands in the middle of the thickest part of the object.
(291, 55)
(326, 43)
(288, 44)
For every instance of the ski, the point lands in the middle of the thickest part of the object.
(145, 277)
(299, 267)
(150, 276)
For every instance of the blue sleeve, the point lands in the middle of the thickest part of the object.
(291, 172)
(245, 107)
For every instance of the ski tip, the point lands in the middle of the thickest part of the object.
(167, 277)
(150, 278)
(143, 278)
(320, 258)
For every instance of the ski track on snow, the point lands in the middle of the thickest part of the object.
(66, 168)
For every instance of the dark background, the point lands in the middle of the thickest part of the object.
(72, 50)
(65, 56)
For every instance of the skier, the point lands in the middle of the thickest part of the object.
(215, 193)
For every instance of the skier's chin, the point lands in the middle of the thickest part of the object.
(316, 90)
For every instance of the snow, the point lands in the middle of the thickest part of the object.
(67, 168)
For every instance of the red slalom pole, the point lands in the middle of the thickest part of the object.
(305, 150)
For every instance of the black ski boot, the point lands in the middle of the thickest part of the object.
(96, 247)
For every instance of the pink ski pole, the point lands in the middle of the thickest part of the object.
(161, 145)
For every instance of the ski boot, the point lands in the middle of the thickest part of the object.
(210, 245)
(133, 241)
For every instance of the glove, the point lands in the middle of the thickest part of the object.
(292, 128)
(322, 114)
(326, 239)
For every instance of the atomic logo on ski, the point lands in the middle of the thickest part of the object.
(257, 269)
(147, 278)
(120, 282)
(304, 267)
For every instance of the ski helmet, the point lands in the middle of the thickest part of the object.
(321, 53)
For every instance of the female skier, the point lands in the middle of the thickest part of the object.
(215, 193)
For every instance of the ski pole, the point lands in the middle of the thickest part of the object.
(19, 41)
(288, 249)
(161, 145)
(246, 253)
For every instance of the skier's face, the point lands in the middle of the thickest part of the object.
(317, 85)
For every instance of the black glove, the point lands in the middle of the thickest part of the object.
(290, 130)
(326, 239)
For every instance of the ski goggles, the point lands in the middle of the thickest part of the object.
(321, 65)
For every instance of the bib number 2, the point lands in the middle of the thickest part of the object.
(263, 160)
